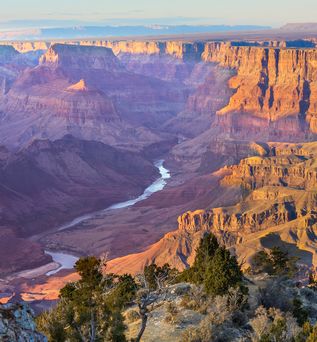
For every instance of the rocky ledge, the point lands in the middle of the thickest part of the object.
(17, 324)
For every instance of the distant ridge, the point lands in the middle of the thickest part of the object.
(302, 27)
(119, 31)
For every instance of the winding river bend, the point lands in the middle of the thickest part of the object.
(67, 261)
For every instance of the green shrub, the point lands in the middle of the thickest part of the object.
(156, 274)
(214, 267)
(195, 300)
(299, 312)
(222, 273)
(274, 262)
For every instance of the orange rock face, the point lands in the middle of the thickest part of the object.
(76, 57)
(275, 89)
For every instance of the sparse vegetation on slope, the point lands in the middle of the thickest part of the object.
(216, 303)
(274, 262)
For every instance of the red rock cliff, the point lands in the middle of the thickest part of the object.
(276, 87)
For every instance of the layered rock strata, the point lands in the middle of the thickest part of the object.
(275, 91)
(115, 105)
(274, 86)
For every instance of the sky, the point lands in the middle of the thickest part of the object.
(263, 12)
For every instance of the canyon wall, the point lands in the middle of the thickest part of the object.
(274, 87)
(89, 93)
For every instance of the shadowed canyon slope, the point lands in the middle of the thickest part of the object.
(48, 183)
(113, 106)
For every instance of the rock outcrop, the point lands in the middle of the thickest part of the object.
(17, 324)
(78, 57)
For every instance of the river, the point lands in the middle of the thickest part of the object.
(67, 261)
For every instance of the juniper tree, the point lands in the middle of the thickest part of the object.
(223, 272)
(90, 309)
(204, 254)
(214, 267)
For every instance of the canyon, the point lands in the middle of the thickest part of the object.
(81, 129)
